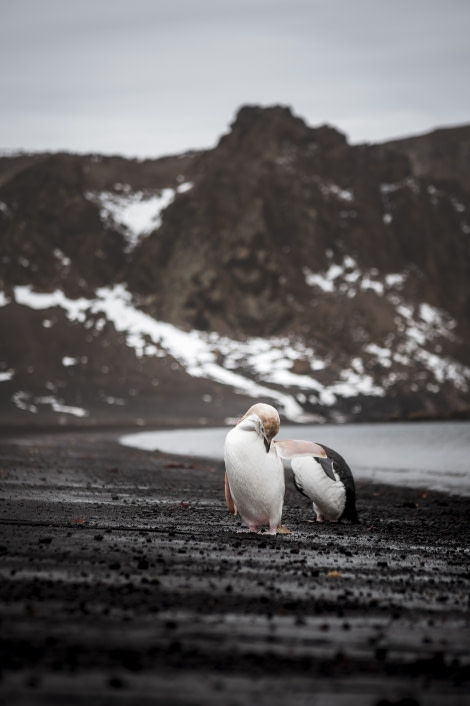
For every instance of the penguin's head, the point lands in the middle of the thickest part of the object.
(262, 419)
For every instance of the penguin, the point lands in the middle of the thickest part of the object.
(254, 473)
(325, 478)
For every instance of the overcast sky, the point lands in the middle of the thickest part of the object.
(154, 77)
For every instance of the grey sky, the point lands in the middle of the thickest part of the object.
(148, 77)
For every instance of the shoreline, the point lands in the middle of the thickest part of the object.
(178, 422)
(123, 576)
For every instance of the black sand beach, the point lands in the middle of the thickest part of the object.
(124, 580)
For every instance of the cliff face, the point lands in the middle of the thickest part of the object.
(334, 278)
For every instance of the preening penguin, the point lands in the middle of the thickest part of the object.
(254, 473)
(325, 478)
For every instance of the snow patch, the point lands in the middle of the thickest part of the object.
(22, 401)
(136, 213)
(392, 187)
(3, 299)
(352, 384)
(67, 361)
(6, 375)
(60, 407)
(63, 259)
(382, 355)
(331, 189)
(26, 403)
(395, 280)
(324, 281)
(375, 285)
(75, 308)
(421, 328)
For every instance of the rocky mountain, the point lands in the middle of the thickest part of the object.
(284, 264)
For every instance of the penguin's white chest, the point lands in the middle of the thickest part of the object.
(256, 478)
(328, 496)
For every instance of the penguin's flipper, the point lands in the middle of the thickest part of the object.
(327, 465)
(290, 448)
(228, 497)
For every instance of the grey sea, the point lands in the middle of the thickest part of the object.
(428, 455)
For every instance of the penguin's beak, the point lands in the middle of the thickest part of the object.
(266, 441)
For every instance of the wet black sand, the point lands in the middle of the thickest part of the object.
(124, 580)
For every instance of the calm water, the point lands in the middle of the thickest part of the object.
(434, 455)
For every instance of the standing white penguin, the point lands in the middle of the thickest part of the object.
(254, 471)
(326, 479)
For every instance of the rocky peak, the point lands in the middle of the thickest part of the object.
(274, 133)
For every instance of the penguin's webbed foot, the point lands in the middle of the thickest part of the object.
(271, 530)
